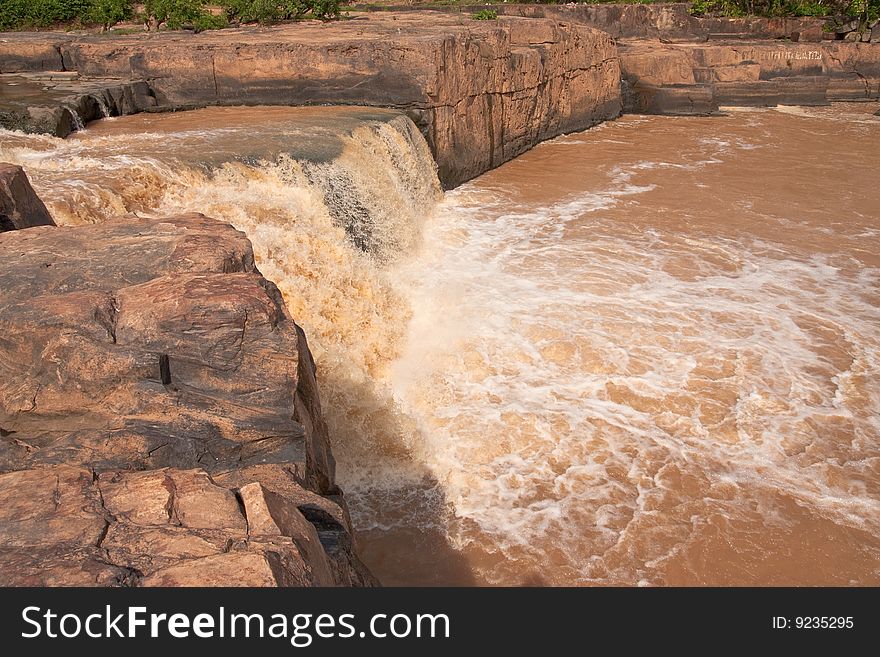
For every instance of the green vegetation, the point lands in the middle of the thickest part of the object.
(194, 14)
(41, 13)
(107, 13)
(867, 10)
(485, 15)
(170, 14)
(175, 14)
(272, 11)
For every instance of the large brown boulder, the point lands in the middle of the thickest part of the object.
(151, 375)
(20, 207)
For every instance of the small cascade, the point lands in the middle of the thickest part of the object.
(103, 107)
(379, 187)
(75, 119)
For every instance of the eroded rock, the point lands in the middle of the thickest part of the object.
(482, 92)
(20, 207)
(71, 526)
(664, 78)
(138, 359)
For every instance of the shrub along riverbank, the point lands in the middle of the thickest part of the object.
(171, 14)
(857, 14)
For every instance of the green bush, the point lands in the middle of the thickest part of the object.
(107, 13)
(866, 10)
(174, 14)
(325, 9)
(251, 11)
(271, 11)
(16, 14)
(485, 15)
(22, 14)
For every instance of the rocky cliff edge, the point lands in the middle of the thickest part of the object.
(159, 415)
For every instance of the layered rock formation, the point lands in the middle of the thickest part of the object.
(669, 22)
(698, 78)
(20, 207)
(57, 103)
(159, 415)
(482, 92)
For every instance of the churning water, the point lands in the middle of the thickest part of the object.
(644, 354)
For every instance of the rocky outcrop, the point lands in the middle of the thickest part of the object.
(698, 78)
(20, 207)
(159, 415)
(667, 21)
(798, 29)
(59, 103)
(482, 92)
(30, 55)
(71, 526)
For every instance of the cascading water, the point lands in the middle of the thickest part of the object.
(644, 354)
(75, 119)
(328, 196)
(102, 105)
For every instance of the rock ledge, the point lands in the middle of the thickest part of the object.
(159, 415)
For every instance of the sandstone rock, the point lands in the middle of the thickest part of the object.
(809, 34)
(271, 514)
(65, 525)
(672, 100)
(139, 357)
(776, 91)
(658, 75)
(327, 513)
(31, 55)
(481, 92)
(20, 207)
(854, 71)
(56, 103)
(667, 21)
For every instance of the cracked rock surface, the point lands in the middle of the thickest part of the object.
(159, 415)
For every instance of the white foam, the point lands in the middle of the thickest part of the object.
(552, 371)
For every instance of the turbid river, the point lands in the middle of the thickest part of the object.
(644, 354)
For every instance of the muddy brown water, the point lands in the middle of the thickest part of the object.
(646, 354)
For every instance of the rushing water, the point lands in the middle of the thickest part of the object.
(644, 354)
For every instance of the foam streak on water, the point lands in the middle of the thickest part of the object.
(623, 378)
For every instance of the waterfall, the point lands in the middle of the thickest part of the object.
(330, 197)
(103, 107)
(75, 119)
